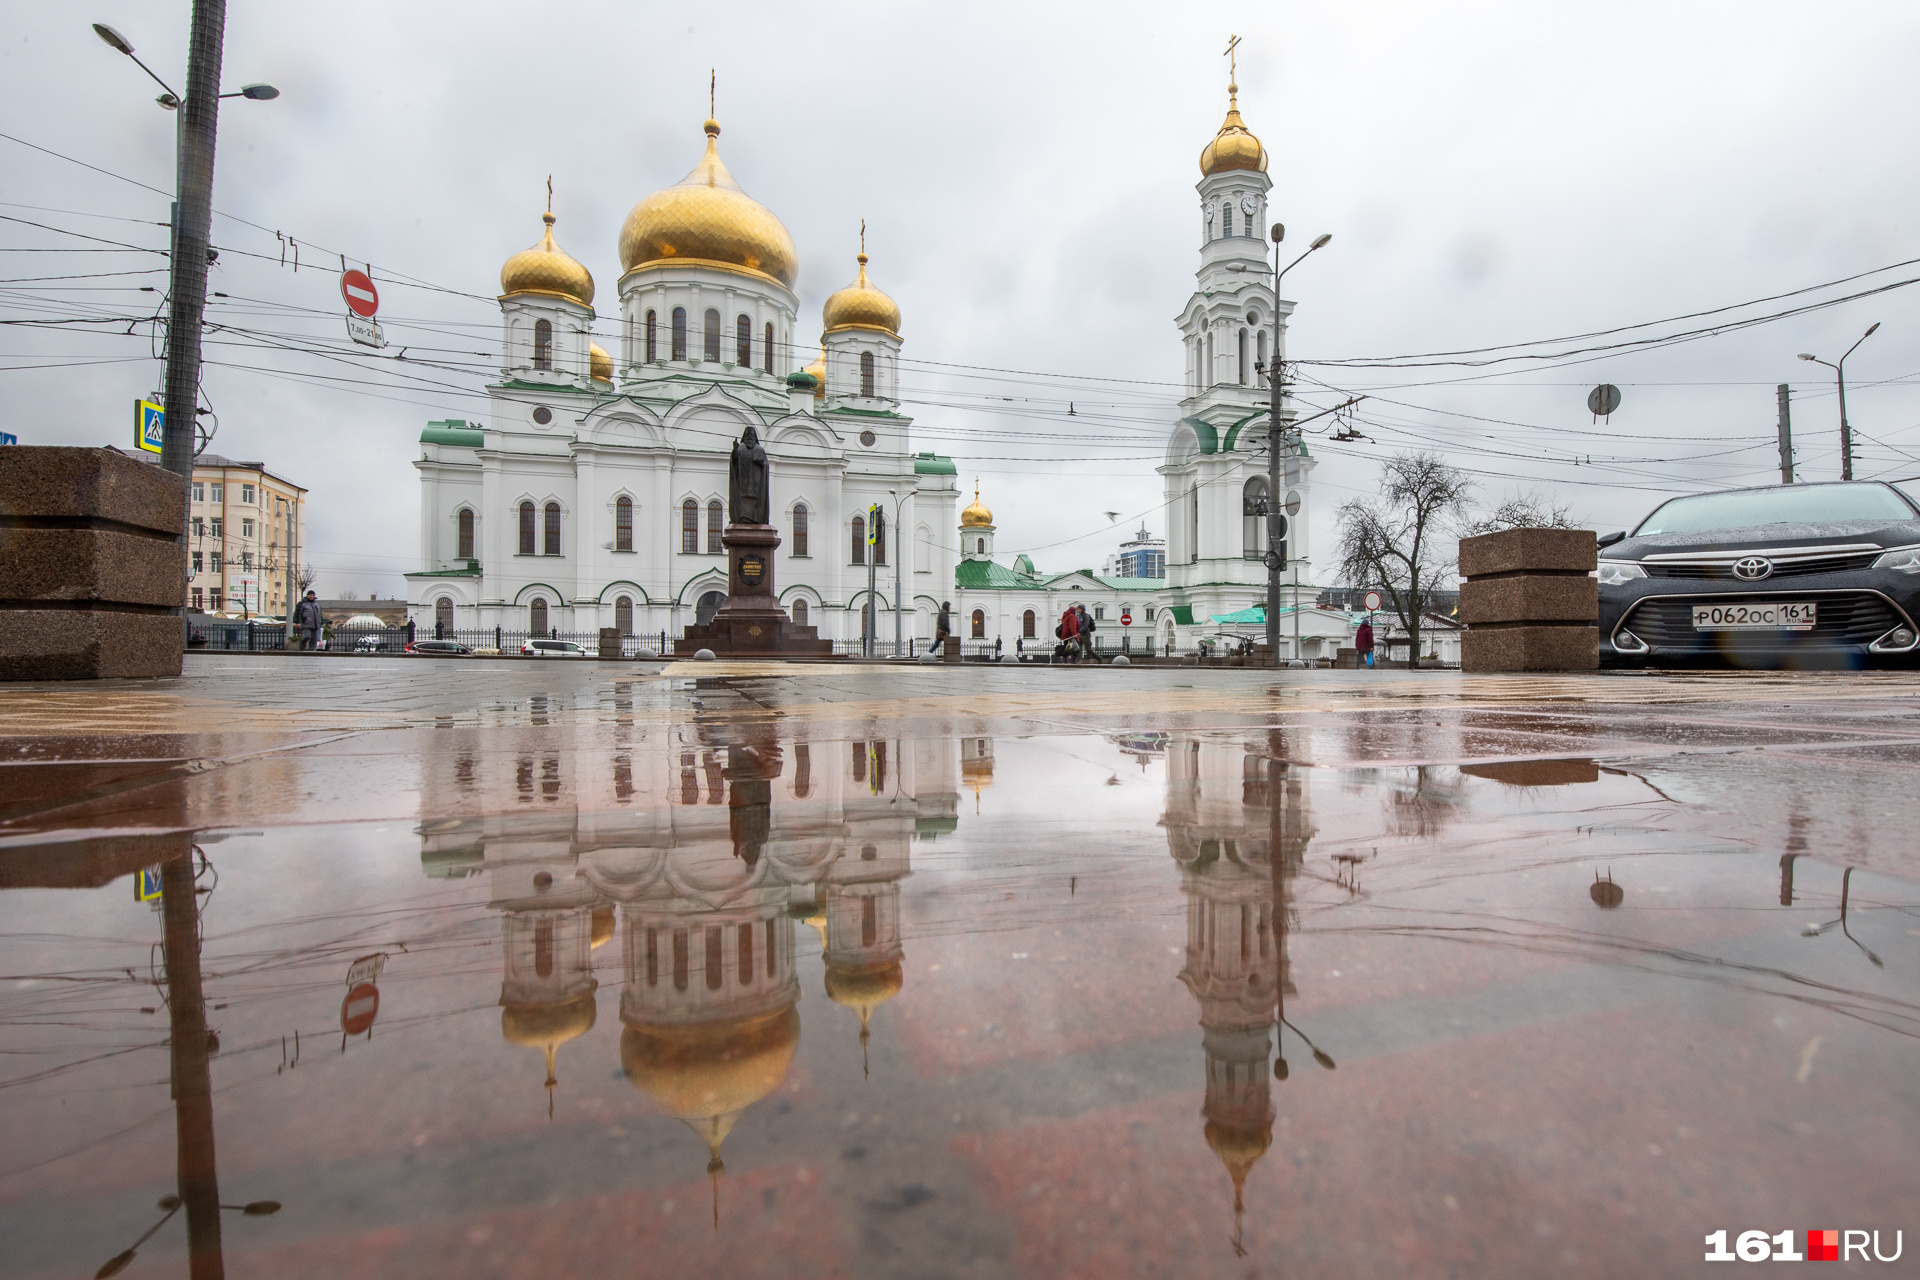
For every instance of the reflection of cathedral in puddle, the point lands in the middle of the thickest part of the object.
(709, 853)
(1227, 807)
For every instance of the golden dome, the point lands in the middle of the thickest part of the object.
(818, 371)
(861, 306)
(545, 269)
(603, 916)
(1238, 1149)
(976, 516)
(864, 989)
(705, 219)
(600, 363)
(1234, 147)
(548, 1026)
(708, 1071)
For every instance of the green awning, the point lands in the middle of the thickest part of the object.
(1182, 614)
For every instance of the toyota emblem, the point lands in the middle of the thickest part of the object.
(1752, 568)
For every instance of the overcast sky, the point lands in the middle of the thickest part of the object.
(1492, 173)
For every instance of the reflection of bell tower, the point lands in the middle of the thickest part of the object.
(861, 942)
(976, 766)
(552, 920)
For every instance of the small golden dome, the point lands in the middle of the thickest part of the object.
(548, 1026)
(864, 989)
(1234, 147)
(602, 366)
(861, 306)
(603, 916)
(705, 219)
(705, 1071)
(818, 369)
(545, 269)
(1238, 1150)
(976, 516)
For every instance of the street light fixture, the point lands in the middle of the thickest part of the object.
(1840, 375)
(1276, 384)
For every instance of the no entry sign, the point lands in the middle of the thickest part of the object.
(359, 1009)
(357, 288)
(1126, 619)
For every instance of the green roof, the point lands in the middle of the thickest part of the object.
(453, 431)
(932, 464)
(1251, 614)
(1182, 614)
(1023, 563)
(801, 378)
(981, 574)
(1209, 438)
(1233, 432)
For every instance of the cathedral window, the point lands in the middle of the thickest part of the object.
(1193, 525)
(715, 522)
(537, 618)
(866, 374)
(1211, 371)
(551, 545)
(766, 351)
(465, 523)
(859, 762)
(1253, 518)
(869, 917)
(543, 947)
(746, 955)
(1261, 361)
(743, 342)
(679, 333)
(526, 528)
(1242, 358)
(1026, 625)
(623, 615)
(689, 527)
(979, 627)
(716, 959)
(802, 753)
(623, 524)
(680, 960)
(543, 344)
(980, 545)
(710, 335)
(800, 529)
(653, 336)
(859, 530)
(442, 616)
(1226, 218)
(799, 612)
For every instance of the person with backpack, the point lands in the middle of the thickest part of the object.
(1069, 633)
(1086, 631)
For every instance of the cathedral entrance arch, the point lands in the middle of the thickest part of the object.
(708, 605)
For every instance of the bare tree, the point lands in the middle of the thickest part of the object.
(307, 576)
(1524, 510)
(1404, 540)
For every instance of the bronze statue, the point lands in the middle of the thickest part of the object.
(747, 493)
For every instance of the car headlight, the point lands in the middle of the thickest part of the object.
(1614, 572)
(1905, 559)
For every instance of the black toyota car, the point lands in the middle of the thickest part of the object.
(1780, 576)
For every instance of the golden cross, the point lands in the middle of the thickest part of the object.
(549, 193)
(863, 235)
(713, 78)
(1232, 59)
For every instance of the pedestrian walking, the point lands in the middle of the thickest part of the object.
(943, 628)
(1363, 642)
(1086, 630)
(306, 618)
(1069, 633)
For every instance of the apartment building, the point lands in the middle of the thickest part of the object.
(246, 534)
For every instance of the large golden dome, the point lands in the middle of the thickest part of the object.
(1234, 147)
(861, 306)
(706, 1071)
(545, 269)
(705, 219)
(976, 516)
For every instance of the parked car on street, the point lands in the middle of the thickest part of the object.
(553, 649)
(443, 647)
(1780, 575)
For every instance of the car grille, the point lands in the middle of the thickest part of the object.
(1843, 618)
(1787, 569)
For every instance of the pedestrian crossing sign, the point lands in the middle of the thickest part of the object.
(146, 886)
(149, 426)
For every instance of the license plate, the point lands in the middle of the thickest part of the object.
(1780, 615)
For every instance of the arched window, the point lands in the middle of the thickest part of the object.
(710, 334)
(1243, 357)
(623, 524)
(715, 522)
(679, 333)
(1193, 525)
(623, 615)
(1253, 501)
(689, 527)
(743, 342)
(1026, 625)
(552, 540)
(537, 618)
(543, 344)
(1226, 218)
(1212, 369)
(866, 373)
(859, 531)
(980, 545)
(766, 350)
(979, 624)
(465, 521)
(800, 529)
(526, 528)
(707, 605)
(1261, 361)
(653, 336)
(799, 612)
(802, 772)
(442, 617)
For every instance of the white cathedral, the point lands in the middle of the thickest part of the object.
(595, 494)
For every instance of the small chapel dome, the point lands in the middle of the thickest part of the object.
(976, 516)
(546, 269)
(601, 362)
(861, 306)
(707, 220)
(1234, 147)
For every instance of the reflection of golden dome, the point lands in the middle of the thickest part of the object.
(1234, 147)
(711, 1071)
(861, 306)
(818, 371)
(976, 773)
(976, 516)
(864, 989)
(602, 927)
(707, 220)
(545, 269)
(1238, 1149)
(548, 1026)
(600, 363)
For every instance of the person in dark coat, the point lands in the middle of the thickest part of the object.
(942, 628)
(1363, 643)
(1086, 630)
(307, 620)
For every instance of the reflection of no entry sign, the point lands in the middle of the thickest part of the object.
(357, 288)
(1372, 601)
(359, 1009)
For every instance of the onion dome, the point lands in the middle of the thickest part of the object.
(818, 372)
(548, 1026)
(864, 989)
(976, 516)
(600, 362)
(705, 219)
(545, 269)
(1234, 147)
(861, 306)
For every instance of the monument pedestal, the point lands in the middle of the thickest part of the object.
(751, 624)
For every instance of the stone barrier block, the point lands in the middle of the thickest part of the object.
(90, 564)
(1530, 598)
(609, 642)
(1530, 648)
(87, 644)
(52, 482)
(1529, 551)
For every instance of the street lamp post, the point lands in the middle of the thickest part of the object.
(1839, 368)
(1276, 381)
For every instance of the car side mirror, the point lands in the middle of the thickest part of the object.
(1608, 539)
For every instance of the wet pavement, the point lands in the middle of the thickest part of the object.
(518, 969)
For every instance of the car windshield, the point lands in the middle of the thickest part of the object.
(1784, 504)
